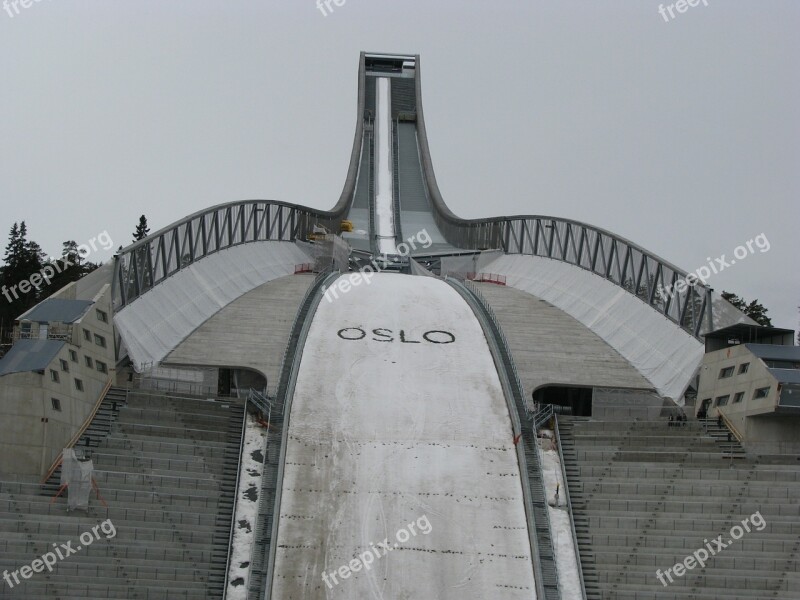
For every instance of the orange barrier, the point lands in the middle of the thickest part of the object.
(487, 278)
(79, 433)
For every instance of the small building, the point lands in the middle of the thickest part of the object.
(751, 376)
(54, 374)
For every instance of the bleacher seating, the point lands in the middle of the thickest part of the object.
(646, 495)
(166, 467)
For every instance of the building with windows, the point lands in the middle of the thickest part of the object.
(751, 376)
(62, 361)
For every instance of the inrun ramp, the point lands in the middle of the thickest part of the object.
(398, 417)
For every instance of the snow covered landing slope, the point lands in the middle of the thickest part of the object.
(398, 419)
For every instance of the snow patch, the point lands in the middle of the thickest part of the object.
(560, 527)
(252, 468)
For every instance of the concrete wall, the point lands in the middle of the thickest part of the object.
(550, 347)
(762, 430)
(251, 332)
(757, 376)
(32, 431)
(772, 434)
(626, 405)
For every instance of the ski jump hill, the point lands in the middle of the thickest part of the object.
(314, 404)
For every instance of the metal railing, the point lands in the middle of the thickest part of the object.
(629, 266)
(294, 337)
(261, 402)
(62, 333)
(568, 500)
(505, 346)
(225, 581)
(148, 262)
(729, 424)
(542, 415)
(539, 531)
(398, 231)
(266, 523)
(80, 431)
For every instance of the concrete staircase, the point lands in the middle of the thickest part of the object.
(724, 437)
(166, 467)
(646, 495)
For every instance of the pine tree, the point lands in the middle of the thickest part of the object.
(22, 259)
(735, 300)
(142, 230)
(140, 254)
(755, 310)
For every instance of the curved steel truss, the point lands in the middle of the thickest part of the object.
(147, 263)
(150, 261)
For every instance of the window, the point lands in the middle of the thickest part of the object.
(56, 403)
(87, 335)
(722, 400)
(100, 340)
(101, 366)
(54, 376)
(64, 365)
(738, 397)
(782, 364)
(743, 368)
(761, 393)
(101, 315)
(726, 372)
(78, 384)
(88, 360)
(73, 356)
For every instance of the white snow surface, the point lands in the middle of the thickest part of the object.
(566, 558)
(384, 178)
(246, 509)
(383, 433)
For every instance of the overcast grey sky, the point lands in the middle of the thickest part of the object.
(683, 136)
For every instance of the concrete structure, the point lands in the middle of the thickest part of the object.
(646, 496)
(166, 470)
(56, 373)
(365, 439)
(551, 348)
(232, 327)
(755, 386)
(431, 437)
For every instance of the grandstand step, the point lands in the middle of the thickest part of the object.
(638, 509)
(167, 468)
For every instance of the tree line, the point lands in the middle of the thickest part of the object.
(24, 261)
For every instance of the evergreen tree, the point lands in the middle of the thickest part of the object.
(735, 300)
(68, 268)
(755, 310)
(142, 230)
(140, 254)
(22, 259)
